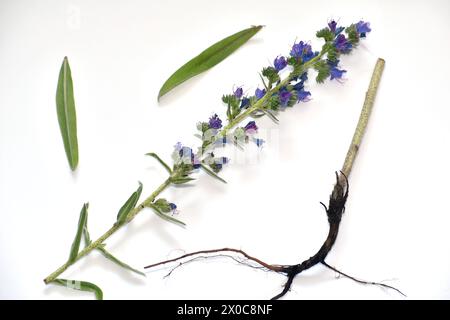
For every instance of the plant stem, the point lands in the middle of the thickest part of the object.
(363, 118)
(258, 105)
(108, 233)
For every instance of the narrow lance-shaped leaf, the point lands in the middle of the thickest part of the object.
(81, 225)
(165, 165)
(181, 180)
(212, 173)
(109, 256)
(87, 237)
(80, 285)
(67, 118)
(129, 205)
(164, 216)
(208, 58)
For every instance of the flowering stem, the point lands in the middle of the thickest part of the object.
(363, 118)
(147, 202)
(259, 104)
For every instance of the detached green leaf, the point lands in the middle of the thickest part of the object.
(164, 216)
(80, 285)
(81, 225)
(165, 165)
(212, 173)
(67, 117)
(109, 256)
(129, 205)
(208, 58)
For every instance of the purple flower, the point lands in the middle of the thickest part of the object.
(251, 127)
(172, 206)
(280, 63)
(335, 73)
(238, 92)
(362, 28)
(284, 95)
(297, 49)
(245, 102)
(215, 122)
(342, 44)
(332, 25)
(303, 51)
(259, 93)
(224, 160)
(303, 95)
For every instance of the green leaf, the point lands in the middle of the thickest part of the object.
(87, 237)
(109, 256)
(164, 216)
(129, 205)
(212, 173)
(181, 180)
(270, 114)
(165, 165)
(81, 224)
(67, 117)
(80, 285)
(264, 82)
(208, 58)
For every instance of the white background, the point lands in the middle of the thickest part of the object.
(397, 219)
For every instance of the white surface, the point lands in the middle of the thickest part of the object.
(397, 219)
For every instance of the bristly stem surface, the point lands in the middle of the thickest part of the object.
(363, 118)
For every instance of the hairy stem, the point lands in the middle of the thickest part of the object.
(363, 118)
(258, 105)
(108, 233)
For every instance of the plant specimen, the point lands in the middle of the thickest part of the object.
(277, 93)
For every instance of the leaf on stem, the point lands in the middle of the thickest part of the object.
(181, 180)
(270, 114)
(212, 173)
(129, 205)
(67, 117)
(76, 242)
(80, 285)
(87, 237)
(164, 216)
(208, 58)
(165, 165)
(109, 256)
